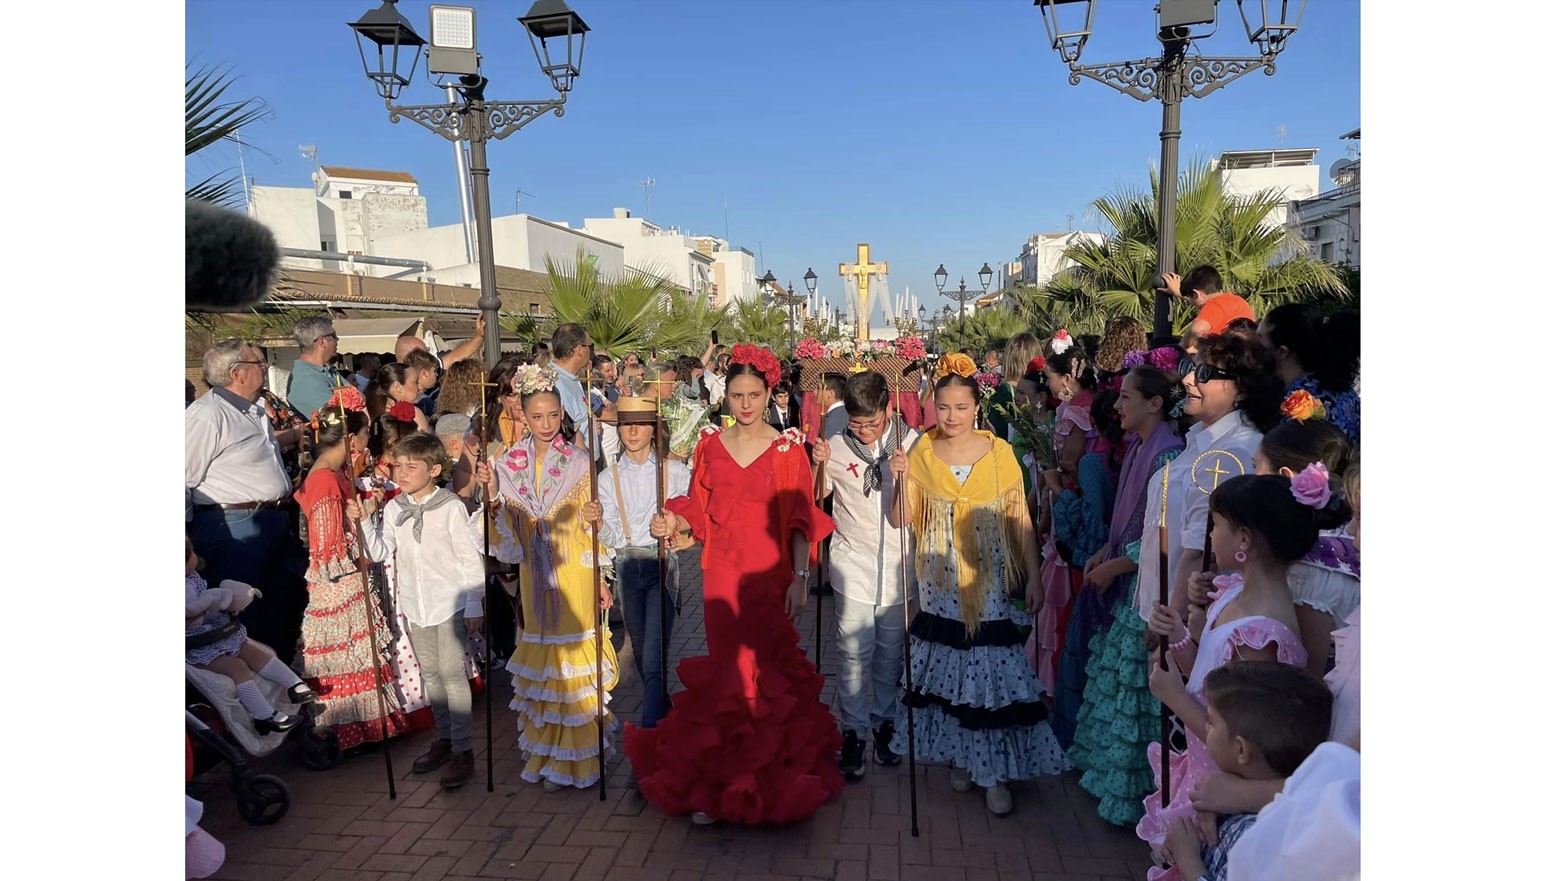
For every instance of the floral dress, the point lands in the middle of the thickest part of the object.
(341, 610)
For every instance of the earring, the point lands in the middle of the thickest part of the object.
(1239, 557)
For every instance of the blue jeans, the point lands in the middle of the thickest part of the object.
(640, 580)
(260, 548)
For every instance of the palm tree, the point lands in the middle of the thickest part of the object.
(763, 324)
(687, 321)
(1267, 265)
(208, 121)
(984, 329)
(621, 314)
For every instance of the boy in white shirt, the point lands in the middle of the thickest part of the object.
(866, 567)
(629, 493)
(428, 534)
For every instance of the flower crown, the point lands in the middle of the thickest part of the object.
(1301, 406)
(402, 411)
(1311, 486)
(531, 379)
(957, 363)
(1061, 341)
(764, 361)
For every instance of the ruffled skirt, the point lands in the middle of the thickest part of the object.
(1119, 717)
(976, 704)
(335, 658)
(743, 749)
(554, 677)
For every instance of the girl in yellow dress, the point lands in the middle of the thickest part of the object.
(545, 519)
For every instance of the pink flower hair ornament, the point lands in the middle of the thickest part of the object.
(1311, 486)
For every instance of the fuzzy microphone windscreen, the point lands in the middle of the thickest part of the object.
(231, 259)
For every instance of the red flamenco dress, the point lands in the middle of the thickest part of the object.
(748, 740)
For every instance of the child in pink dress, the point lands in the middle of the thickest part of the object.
(1262, 524)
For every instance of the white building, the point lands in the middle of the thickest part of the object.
(1331, 223)
(665, 253)
(734, 270)
(520, 241)
(379, 218)
(346, 212)
(1292, 172)
(1043, 257)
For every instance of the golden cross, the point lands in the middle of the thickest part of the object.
(1218, 472)
(862, 270)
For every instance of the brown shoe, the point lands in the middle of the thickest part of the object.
(458, 772)
(439, 753)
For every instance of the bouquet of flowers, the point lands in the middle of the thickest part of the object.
(684, 418)
(988, 381)
(910, 348)
(810, 347)
(843, 348)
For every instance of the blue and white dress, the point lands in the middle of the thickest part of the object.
(976, 702)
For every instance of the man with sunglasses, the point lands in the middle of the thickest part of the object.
(312, 380)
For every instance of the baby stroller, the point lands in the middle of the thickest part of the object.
(261, 799)
(217, 720)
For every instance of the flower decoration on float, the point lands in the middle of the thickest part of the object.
(910, 348)
(810, 347)
(1301, 406)
(1311, 486)
(763, 360)
(1061, 341)
(531, 379)
(957, 363)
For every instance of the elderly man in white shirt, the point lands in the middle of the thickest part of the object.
(866, 567)
(629, 493)
(236, 494)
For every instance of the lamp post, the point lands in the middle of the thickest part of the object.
(941, 275)
(948, 313)
(1170, 77)
(453, 51)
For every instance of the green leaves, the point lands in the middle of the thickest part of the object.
(207, 121)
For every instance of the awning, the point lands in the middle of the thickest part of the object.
(358, 335)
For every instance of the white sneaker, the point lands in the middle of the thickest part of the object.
(701, 819)
(960, 780)
(999, 800)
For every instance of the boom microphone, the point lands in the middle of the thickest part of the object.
(231, 259)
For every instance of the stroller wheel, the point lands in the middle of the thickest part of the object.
(261, 799)
(319, 749)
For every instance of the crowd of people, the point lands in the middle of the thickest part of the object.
(1094, 554)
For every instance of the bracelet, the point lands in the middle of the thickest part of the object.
(1182, 644)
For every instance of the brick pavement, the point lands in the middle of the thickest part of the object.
(342, 827)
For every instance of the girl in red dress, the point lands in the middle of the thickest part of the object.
(335, 650)
(748, 740)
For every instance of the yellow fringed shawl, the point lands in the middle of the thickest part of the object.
(984, 514)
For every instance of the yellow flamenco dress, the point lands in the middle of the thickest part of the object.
(539, 526)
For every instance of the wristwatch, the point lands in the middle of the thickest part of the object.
(801, 573)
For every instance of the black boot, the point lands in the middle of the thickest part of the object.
(883, 753)
(852, 762)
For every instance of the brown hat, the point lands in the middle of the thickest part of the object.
(635, 411)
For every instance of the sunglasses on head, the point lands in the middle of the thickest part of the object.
(1207, 373)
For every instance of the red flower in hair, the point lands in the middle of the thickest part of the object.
(402, 411)
(1037, 364)
(352, 399)
(763, 360)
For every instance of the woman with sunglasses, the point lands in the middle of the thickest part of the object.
(1234, 394)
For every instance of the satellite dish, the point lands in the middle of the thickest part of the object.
(1341, 171)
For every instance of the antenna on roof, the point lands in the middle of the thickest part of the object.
(648, 185)
(1282, 132)
(309, 151)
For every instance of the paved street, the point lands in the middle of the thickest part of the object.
(342, 827)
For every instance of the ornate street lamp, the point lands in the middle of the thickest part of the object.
(453, 51)
(985, 274)
(1172, 76)
(940, 275)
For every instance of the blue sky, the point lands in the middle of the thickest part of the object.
(937, 131)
